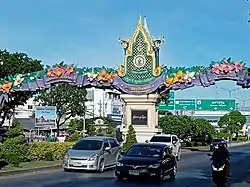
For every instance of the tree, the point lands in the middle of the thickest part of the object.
(69, 100)
(130, 138)
(232, 122)
(74, 126)
(204, 131)
(14, 149)
(91, 130)
(15, 130)
(179, 125)
(198, 130)
(11, 64)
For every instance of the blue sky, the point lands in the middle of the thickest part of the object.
(87, 32)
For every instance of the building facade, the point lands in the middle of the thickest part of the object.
(104, 103)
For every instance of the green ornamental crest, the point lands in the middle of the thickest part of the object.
(140, 63)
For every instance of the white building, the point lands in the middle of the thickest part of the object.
(27, 110)
(104, 103)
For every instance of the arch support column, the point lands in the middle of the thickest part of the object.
(141, 112)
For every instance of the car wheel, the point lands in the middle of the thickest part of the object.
(161, 176)
(173, 173)
(101, 166)
(119, 178)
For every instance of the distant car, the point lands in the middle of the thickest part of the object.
(92, 153)
(215, 143)
(171, 140)
(147, 160)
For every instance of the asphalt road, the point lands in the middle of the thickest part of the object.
(194, 171)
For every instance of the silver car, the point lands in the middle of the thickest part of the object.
(93, 153)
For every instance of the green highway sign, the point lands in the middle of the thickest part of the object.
(216, 104)
(171, 95)
(185, 104)
(167, 106)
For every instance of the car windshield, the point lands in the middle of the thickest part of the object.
(88, 145)
(144, 151)
(160, 139)
(218, 140)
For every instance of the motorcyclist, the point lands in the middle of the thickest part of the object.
(223, 153)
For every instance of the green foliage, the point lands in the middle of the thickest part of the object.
(111, 131)
(199, 130)
(222, 135)
(99, 132)
(69, 100)
(91, 130)
(40, 150)
(130, 138)
(73, 137)
(15, 130)
(179, 125)
(49, 156)
(164, 98)
(14, 150)
(74, 125)
(16, 63)
(203, 131)
(232, 122)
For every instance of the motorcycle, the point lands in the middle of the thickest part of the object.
(218, 171)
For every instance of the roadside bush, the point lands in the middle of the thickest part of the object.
(130, 138)
(49, 156)
(14, 150)
(73, 137)
(42, 150)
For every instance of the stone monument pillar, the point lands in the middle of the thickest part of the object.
(139, 79)
(140, 111)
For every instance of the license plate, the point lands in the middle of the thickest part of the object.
(77, 163)
(134, 172)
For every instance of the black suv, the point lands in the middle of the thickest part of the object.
(150, 160)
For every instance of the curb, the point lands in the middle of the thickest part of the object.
(23, 171)
(57, 167)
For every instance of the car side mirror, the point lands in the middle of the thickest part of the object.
(146, 141)
(107, 148)
(174, 142)
(229, 154)
(209, 154)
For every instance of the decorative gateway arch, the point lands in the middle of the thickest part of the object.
(141, 79)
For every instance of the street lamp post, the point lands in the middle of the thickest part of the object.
(229, 91)
(243, 101)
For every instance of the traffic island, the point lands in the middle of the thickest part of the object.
(29, 167)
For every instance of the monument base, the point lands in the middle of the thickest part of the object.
(140, 111)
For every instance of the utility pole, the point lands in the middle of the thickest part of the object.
(229, 91)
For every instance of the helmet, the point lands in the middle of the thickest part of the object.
(221, 146)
